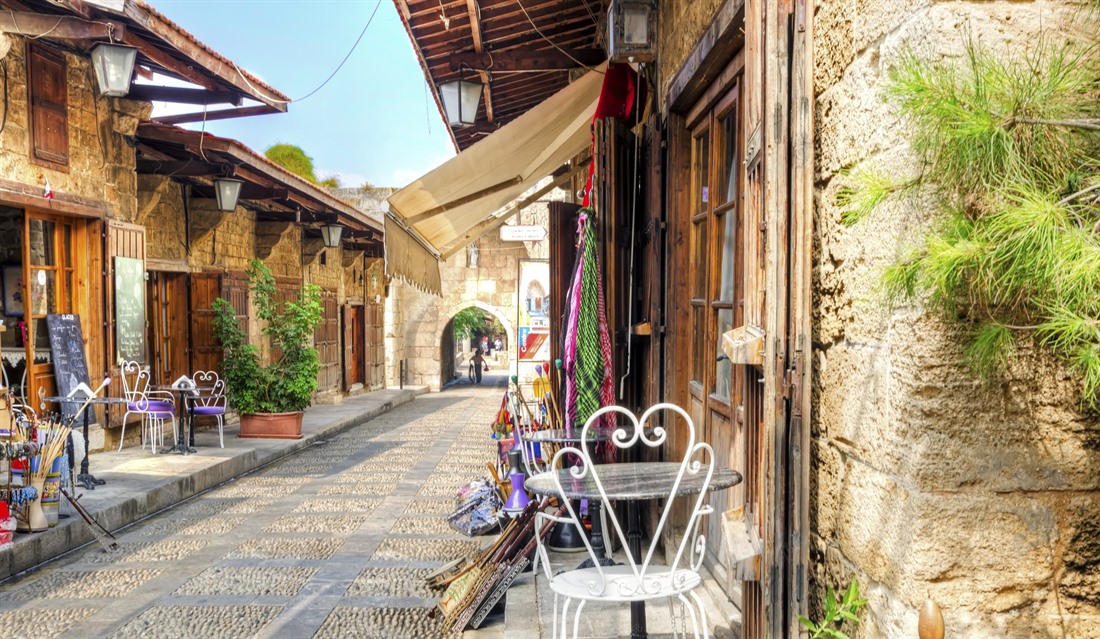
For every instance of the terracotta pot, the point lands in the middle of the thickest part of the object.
(272, 425)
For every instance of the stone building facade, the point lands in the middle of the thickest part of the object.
(928, 483)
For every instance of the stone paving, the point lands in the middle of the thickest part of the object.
(333, 541)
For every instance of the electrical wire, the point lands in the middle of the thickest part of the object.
(331, 75)
(543, 36)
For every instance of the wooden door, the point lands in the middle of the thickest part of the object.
(55, 277)
(375, 347)
(326, 339)
(170, 348)
(354, 351)
(206, 352)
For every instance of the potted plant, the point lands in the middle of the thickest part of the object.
(270, 399)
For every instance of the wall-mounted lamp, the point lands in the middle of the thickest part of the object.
(632, 30)
(114, 67)
(331, 234)
(460, 101)
(227, 190)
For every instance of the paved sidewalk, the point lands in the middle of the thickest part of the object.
(140, 484)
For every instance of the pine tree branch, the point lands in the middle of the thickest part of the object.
(1092, 124)
(1069, 198)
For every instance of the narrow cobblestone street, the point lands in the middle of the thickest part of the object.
(333, 541)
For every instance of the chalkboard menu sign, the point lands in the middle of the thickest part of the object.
(70, 367)
(129, 309)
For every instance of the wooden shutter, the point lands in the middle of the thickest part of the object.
(349, 346)
(206, 352)
(327, 342)
(563, 255)
(376, 347)
(234, 289)
(48, 92)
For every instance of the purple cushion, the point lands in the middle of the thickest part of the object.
(208, 410)
(150, 406)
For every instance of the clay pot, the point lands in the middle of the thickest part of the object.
(272, 425)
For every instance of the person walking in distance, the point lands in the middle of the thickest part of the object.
(478, 362)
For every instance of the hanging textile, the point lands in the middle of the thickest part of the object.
(588, 369)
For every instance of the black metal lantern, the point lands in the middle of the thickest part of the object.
(460, 101)
(632, 30)
(226, 191)
(331, 234)
(114, 67)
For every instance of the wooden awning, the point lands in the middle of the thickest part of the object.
(437, 210)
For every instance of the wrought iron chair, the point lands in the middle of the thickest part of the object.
(639, 578)
(209, 399)
(155, 407)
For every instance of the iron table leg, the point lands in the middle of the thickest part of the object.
(84, 477)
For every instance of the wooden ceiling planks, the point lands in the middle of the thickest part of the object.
(527, 31)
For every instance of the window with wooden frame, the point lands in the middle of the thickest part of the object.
(47, 92)
(717, 289)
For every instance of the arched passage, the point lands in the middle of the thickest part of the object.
(449, 353)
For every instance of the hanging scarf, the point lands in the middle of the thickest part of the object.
(588, 370)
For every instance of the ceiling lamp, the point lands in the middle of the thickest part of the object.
(460, 101)
(227, 190)
(331, 234)
(632, 30)
(114, 68)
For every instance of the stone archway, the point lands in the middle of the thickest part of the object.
(445, 325)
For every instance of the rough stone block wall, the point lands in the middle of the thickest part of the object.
(679, 23)
(101, 166)
(927, 482)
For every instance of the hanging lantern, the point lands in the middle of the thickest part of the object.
(226, 191)
(460, 101)
(331, 234)
(114, 68)
(632, 30)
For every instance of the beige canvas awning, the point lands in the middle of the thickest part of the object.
(436, 210)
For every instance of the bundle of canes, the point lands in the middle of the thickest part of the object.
(58, 436)
(493, 588)
(471, 592)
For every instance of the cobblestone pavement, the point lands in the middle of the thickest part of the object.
(333, 541)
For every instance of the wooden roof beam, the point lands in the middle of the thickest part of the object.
(527, 59)
(220, 114)
(37, 25)
(475, 33)
(183, 95)
(169, 63)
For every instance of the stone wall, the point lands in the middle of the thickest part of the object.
(927, 482)
(419, 319)
(679, 24)
(101, 166)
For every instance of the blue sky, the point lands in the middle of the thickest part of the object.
(374, 121)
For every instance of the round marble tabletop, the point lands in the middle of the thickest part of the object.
(641, 480)
(568, 436)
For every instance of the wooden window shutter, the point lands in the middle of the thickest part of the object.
(49, 118)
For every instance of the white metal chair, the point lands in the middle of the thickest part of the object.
(209, 399)
(638, 578)
(154, 406)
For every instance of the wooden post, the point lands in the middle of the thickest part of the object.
(930, 621)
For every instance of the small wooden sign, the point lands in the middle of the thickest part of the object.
(516, 233)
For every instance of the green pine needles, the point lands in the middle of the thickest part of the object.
(1009, 148)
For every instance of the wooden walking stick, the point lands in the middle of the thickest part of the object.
(102, 535)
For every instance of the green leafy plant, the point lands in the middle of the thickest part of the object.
(288, 382)
(468, 322)
(1009, 153)
(837, 611)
